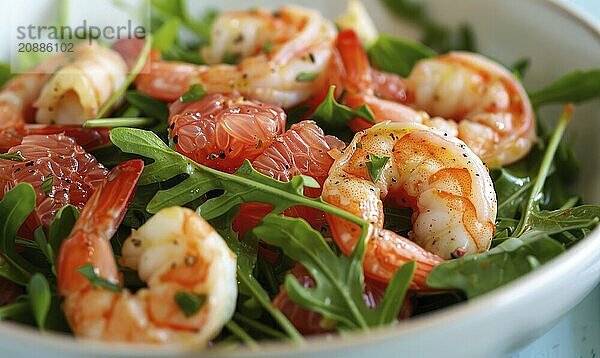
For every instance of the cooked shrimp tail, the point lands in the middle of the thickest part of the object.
(190, 272)
(99, 220)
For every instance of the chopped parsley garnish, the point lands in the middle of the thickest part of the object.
(89, 272)
(46, 185)
(189, 303)
(267, 47)
(195, 93)
(14, 157)
(375, 166)
(306, 76)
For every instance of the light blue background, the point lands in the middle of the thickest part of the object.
(577, 335)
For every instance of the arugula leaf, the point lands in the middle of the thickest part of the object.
(339, 280)
(375, 166)
(195, 93)
(245, 185)
(89, 272)
(15, 207)
(176, 8)
(436, 36)
(478, 274)
(546, 223)
(397, 55)
(61, 226)
(40, 298)
(164, 37)
(538, 184)
(576, 87)
(148, 105)
(520, 67)
(333, 116)
(511, 191)
(42, 244)
(189, 303)
(245, 251)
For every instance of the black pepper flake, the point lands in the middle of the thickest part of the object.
(311, 57)
(222, 155)
(239, 38)
(29, 163)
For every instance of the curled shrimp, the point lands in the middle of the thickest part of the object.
(281, 54)
(493, 111)
(176, 252)
(221, 131)
(438, 176)
(463, 94)
(77, 90)
(20, 92)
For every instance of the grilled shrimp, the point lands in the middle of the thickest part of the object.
(491, 107)
(281, 54)
(190, 272)
(220, 131)
(438, 176)
(20, 92)
(77, 90)
(467, 95)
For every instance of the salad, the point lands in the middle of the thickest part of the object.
(280, 176)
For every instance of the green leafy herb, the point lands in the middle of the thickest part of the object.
(245, 185)
(46, 185)
(338, 291)
(176, 8)
(196, 92)
(89, 272)
(40, 298)
(137, 68)
(231, 58)
(511, 191)
(478, 274)
(577, 86)
(520, 67)
(545, 166)
(5, 73)
(164, 38)
(61, 226)
(137, 122)
(306, 76)
(376, 165)
(397, 55)
(333, 116)
(245, 251)
(242, 335)
(436, 36)
(14, 157)
(267, 47)
(189, 303)
(42, 244)
(148, 105)
(15, 207)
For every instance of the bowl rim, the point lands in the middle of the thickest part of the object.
(501, 297)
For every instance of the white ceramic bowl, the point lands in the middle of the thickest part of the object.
(557, 39)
